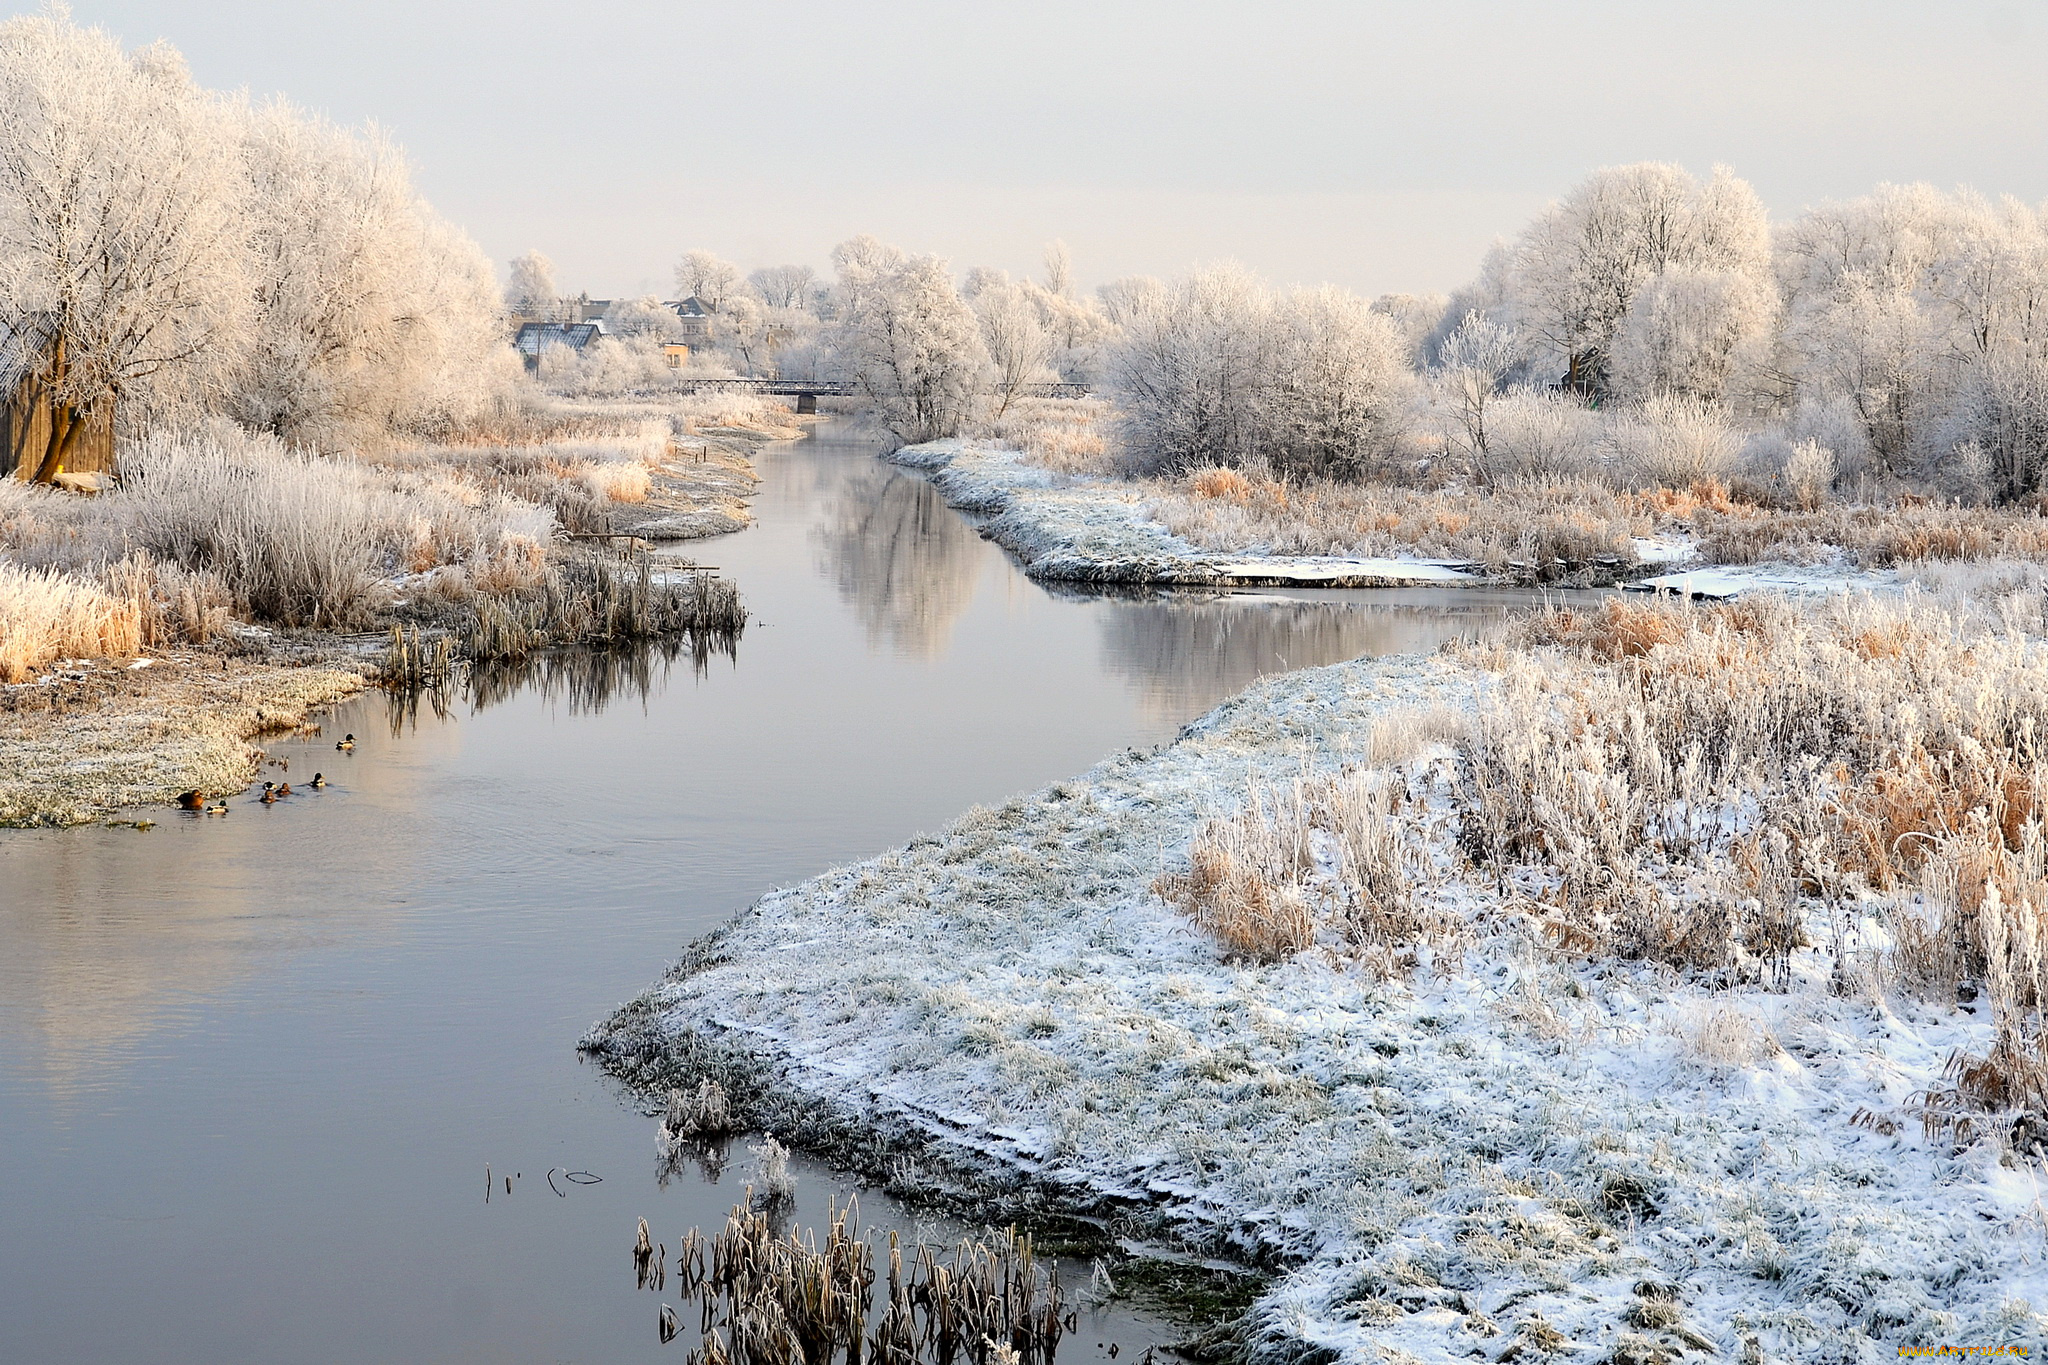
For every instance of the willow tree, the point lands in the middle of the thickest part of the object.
(120, 245)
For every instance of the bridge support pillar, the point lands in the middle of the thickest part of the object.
(806, 403)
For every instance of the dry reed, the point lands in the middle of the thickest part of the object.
(768, 1299)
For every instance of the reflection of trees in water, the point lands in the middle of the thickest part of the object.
(904, 559)
(589, 680)
(1186, 656)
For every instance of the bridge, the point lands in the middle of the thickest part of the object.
(807, 392)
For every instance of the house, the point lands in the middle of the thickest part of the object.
(696, 320)
(25, 418)
(535, 337)
(676, 354)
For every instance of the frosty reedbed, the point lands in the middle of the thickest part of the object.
(1658, 982)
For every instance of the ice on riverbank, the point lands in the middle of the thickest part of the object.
(1512, 1153)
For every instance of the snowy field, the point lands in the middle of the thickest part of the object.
(1503, 1152)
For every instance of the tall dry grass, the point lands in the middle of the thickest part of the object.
(46, 615)
(1318, 858)
(1067, 435)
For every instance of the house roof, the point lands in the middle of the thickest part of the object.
(535, 336)
(691, 307)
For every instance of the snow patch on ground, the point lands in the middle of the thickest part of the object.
(1507, 1155)
(1724, 584)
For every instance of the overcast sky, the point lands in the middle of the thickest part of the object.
(1377, 146)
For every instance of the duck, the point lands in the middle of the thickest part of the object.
(284, 789)
(319, 781)
(191, 801)
(221, 809)
(269, 796)
(346, 743)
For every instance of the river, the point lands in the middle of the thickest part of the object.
(252, 1068)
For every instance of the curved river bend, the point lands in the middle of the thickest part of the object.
(252, 1069)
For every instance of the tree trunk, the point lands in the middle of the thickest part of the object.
(65, 426)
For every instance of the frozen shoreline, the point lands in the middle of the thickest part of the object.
(1514, 1143)
(1095, 532)
(1068, 530)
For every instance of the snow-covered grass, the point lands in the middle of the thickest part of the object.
(1608, 1028)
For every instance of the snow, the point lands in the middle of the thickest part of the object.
(1070, 530)
(1724, 584)
(1502, 1141)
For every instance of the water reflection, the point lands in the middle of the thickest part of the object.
(906, 562)
(1185, 652)
(587, 680)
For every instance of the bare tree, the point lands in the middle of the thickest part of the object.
(121, 257)
(1013, 329)
(708, 277)
(783, 286)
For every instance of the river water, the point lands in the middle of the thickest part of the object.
(252, 1069)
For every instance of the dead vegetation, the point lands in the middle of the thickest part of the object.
(765, 1297)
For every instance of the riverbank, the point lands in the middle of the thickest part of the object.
(221, 590)
(1272, 991)
(1049, 485)
(1090, 531)
(92, 737)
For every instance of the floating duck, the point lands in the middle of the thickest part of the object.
(319, 781)
(348, 742)
(221, 809)
(191, 801)
(269, 796)
(284, 789)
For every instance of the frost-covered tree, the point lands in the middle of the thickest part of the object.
(1187, 373)
(1221, 371)
(532, 292)
(1571, 280)
(1337, 388)
(783, 286)
(1696, 334)
(1927, 314)
(1475, 364)
(1013, 330)
(911, 345)
(121, 253)
(747, 334)
(646, 317)
(370, 312)
(1059, 270)
(1124, 300)
(708, 277)
(1415, 318)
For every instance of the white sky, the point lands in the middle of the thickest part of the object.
(1378, 146)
